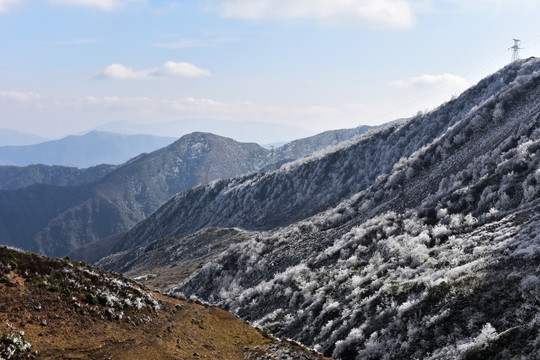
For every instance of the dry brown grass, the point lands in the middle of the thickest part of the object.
(64, 327)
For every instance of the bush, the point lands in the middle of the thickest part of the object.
(91, 299)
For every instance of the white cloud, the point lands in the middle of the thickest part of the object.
(442, 81)
(106, 5)
(494, 6)
(371, 13)
(169, 69)
(181, 69)
(121, 72)
(142, 107)
(18, 96)
(5, 5)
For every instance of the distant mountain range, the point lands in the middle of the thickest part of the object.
(93, 148)
(419, 240)
(55, 219)
(53, 210)
(10, 137)
(243, 131)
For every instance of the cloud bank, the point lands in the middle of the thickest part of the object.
(169, 69)
(369, 13)
(19, 96)
(105, 5)
(5, 5)
(432, 81)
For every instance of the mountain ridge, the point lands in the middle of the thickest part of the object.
(435, 260)
(15, 177)
(237, 202)
(241, 131)
(91, 149)
(66, 217)
(10, 137)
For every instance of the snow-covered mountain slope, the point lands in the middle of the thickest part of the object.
(173, 260)
(302, 147)
(308, 186)
(437, 259)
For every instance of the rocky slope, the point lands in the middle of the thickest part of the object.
(437, 259)
(57, 309)
(165, 263)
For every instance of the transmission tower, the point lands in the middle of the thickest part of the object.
(515, 48)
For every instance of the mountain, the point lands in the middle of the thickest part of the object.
(10, 137)
(66, 208)
(306, 146)
(302, 188)
(434, 260)
(54, 220)
(93, 148)
(243, 131)
(15, 177)
(54, 308)
(422, 240)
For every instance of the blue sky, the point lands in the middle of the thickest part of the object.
(67, 66)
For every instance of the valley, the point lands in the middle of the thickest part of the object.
(416, 239)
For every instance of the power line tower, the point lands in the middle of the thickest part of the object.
(515, 48)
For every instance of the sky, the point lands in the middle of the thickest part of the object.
(67, 66)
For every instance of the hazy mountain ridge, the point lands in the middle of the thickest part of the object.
(9, 137)
(437, 259)
(15, 177)
(242, 131)
(91, 149)
(305, 187)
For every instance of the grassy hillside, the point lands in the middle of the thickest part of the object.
(57, 309)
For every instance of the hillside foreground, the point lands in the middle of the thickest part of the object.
(57, 309)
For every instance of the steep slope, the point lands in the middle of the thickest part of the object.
(305, 187)
(15, 177)
(57, 309)
(54, 220)
(165, 263)
(438, 259)
(91, 149)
